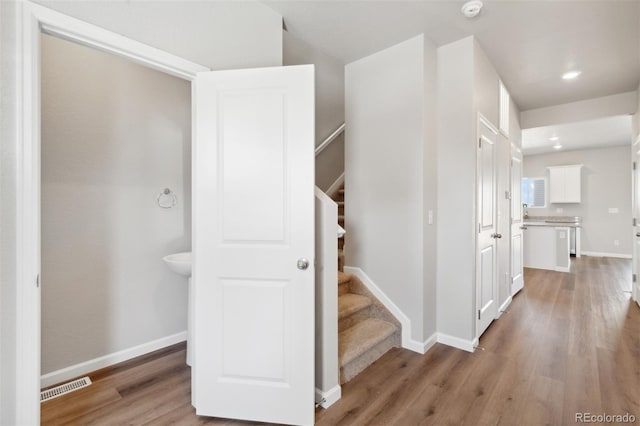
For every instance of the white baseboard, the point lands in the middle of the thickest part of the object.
(407, 341)
(335, 186)
(329, 397)
(456, 342)
(603, 254)
(504, 306)
(73, 371)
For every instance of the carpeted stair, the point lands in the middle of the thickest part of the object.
(366, 330)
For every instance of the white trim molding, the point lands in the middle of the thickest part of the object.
(30, 20)
(335, 186)
(504, 306)
(328, 398)
(456, 342)
(407, 341)
(91, 365)
(604, 254)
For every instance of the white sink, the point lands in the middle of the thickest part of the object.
(180, 263)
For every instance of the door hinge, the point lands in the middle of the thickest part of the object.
(507, 195)
(634, 278)
(634, 222)
(478, 313)
(480, 143)
(634, 165)
(38, 281)
(479, 228)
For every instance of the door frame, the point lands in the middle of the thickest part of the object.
(30, 20)
(635, 253)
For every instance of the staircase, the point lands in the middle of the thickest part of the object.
(366, 330)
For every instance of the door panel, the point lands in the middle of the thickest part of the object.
(517, 245)
(486, 261)
(253, 210)
(636, 214)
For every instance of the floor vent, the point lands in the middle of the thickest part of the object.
(64, 389)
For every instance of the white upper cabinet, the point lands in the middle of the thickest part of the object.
(565, 184)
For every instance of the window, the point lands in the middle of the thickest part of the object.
(534, 191)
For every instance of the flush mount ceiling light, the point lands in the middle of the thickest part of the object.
(557, 146)
(471, 9)
(570, 75)
(553, 138)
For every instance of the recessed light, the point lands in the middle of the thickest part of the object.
(557, 146)
(553, 138)
(471, 9)
(570, 75)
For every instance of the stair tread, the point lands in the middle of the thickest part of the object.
(350, 303)
(343, 278)
(358, 339)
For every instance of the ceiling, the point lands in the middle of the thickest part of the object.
(531, 43)
(599, 133)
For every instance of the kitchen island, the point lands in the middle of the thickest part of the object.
(547, 242)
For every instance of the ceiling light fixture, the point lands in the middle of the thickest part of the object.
(557, 146)
(570, 75)
(553, 138)
(471, 9)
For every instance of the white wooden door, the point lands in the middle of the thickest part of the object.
(486, 259)
(517, 225)
(253, 210)
(636, 219)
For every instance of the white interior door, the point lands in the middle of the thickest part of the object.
(486, 259)
(636, 218)
(517, 225)
(253, 244)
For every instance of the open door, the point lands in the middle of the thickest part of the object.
(517, 225)
(253, 244)
(486, 258)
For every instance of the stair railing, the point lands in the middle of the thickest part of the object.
(330, 139)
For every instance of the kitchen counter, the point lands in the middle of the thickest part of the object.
(573, 222)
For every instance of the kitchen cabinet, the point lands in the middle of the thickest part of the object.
(565, 184)
(547, 247)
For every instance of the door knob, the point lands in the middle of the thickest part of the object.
(496, 235)
(637, 234)
(303, 263)
(523, 227)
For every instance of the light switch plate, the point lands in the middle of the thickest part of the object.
(613, 210)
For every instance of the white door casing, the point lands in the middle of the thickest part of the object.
(486, 255)
(517, 225)
(253, 157)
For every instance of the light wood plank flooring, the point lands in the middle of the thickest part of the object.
(569, 343)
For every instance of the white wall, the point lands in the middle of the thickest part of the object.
(456, 189)
(388, 114)
(251, 37)
(113, 137)
(216, 34)
(329, 104)
(468, 85)
(606, 183)
(606, 106)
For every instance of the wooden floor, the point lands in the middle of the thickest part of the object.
(569, 343)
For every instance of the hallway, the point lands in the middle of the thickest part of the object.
(569, 343)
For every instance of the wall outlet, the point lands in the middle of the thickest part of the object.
(559, 210)
(616, 242)
(613, 210)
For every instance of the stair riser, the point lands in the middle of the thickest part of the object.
(356, 366)
(343, 289)
(353, 319)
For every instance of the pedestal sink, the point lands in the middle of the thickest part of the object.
(180, 263)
